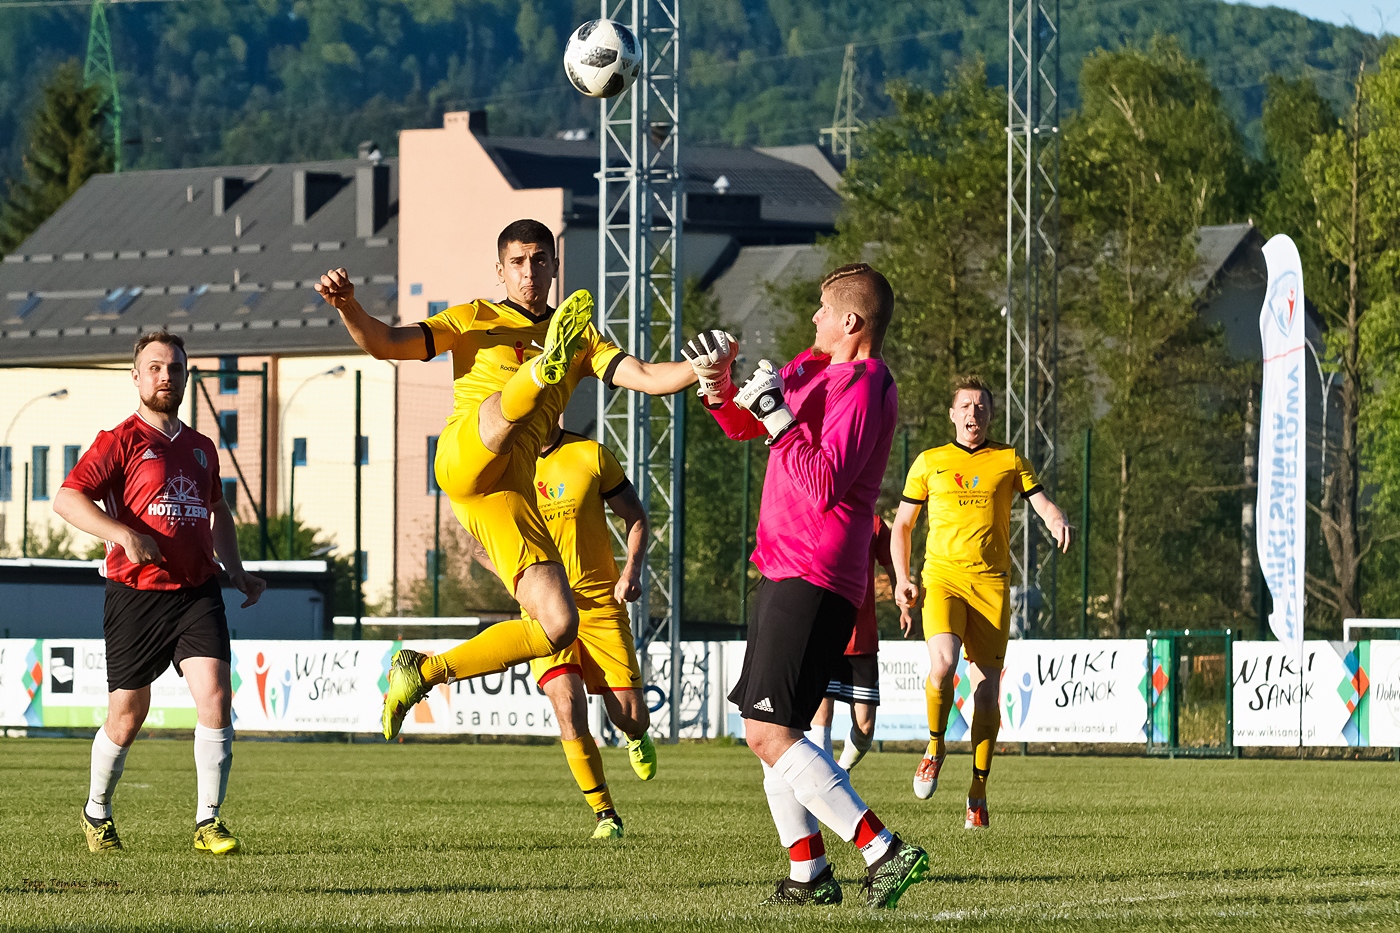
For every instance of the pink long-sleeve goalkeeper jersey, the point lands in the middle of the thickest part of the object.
(824, 474)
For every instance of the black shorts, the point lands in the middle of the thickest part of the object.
(146, 630)
(797, 637)
(856, 680)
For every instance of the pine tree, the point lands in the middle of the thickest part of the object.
(67, 145)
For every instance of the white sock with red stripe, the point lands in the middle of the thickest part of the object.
(824, 788)
(872, 838)
(796, 827)
(807, 858)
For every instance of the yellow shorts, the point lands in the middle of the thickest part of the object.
(974, 607)
(603, 655)
(493, 496)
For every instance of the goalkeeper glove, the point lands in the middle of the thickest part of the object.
(762, 395)
(709, 353)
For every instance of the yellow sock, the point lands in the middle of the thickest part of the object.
(497, 649)
(520, 396)
(984, 740)
(587, 765)
(940, 704)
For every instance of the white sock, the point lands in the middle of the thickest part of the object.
(820, 736)
(877, 847)
(108, 760)
(795, 824)
(213, 756)
(822, 787)
(854, 750)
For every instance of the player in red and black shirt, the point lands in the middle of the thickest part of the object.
(856, 678)
(165, 520)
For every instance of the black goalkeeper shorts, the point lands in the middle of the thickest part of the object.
(797, 639)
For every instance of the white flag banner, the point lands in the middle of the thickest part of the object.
(1282, 506)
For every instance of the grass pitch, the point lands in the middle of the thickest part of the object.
(495, 837)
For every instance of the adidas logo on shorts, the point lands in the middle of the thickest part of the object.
(764, 705)
(150, 455)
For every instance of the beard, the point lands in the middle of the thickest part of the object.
(164, 402)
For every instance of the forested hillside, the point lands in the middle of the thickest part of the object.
(209, 81)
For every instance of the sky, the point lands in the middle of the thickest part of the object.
(1366, 15)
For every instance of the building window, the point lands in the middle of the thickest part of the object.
(228, 384)
(40, 478)
(435, 306)
(363, 558)
(228, 429)
(432, 459)
(416, 288)
(70, 458)
(298, 451)
(230, 490)
(362, 450)
(7, 475)
(433, 569)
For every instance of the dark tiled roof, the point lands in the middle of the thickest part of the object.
(239, 282)
(791, 194)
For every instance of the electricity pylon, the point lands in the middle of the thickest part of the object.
(99, 71)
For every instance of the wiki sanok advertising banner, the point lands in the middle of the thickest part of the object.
(1282, 506)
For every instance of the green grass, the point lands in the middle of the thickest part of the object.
(495, 837)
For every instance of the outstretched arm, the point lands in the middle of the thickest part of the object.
(381, 341)
(1054, 520)
(653, 378)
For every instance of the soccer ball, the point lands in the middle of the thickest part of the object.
(602, 58)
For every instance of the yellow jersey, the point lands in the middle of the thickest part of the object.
(969, 495)
(490, 340)
(572, 479)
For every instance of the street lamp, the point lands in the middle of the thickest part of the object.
(9, 466)
(292, 464)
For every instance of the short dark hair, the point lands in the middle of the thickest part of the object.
(975, 383)
(526, 231)
(158, 336)
(866, 292)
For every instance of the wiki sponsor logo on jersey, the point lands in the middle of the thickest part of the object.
(179, 501)
(966, 484)
(550, 492)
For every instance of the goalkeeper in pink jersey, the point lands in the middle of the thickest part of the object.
(829, 417)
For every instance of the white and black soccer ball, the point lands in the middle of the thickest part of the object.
(602, 58)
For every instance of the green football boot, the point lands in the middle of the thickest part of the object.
(214, 837)
(406, 688)
(101, 837)
(642, 753)
(609, 826)
(820, 891)
(902, 866)
(563, 339)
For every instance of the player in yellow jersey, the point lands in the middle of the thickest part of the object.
(574, 476)
(515, 363)
(969, 487)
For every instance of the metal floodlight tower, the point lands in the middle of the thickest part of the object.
(99, 71)
(844, 122)
(640, 205)
(1032, 271)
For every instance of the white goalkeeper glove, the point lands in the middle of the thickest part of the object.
(762, 395)
(709, 353)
